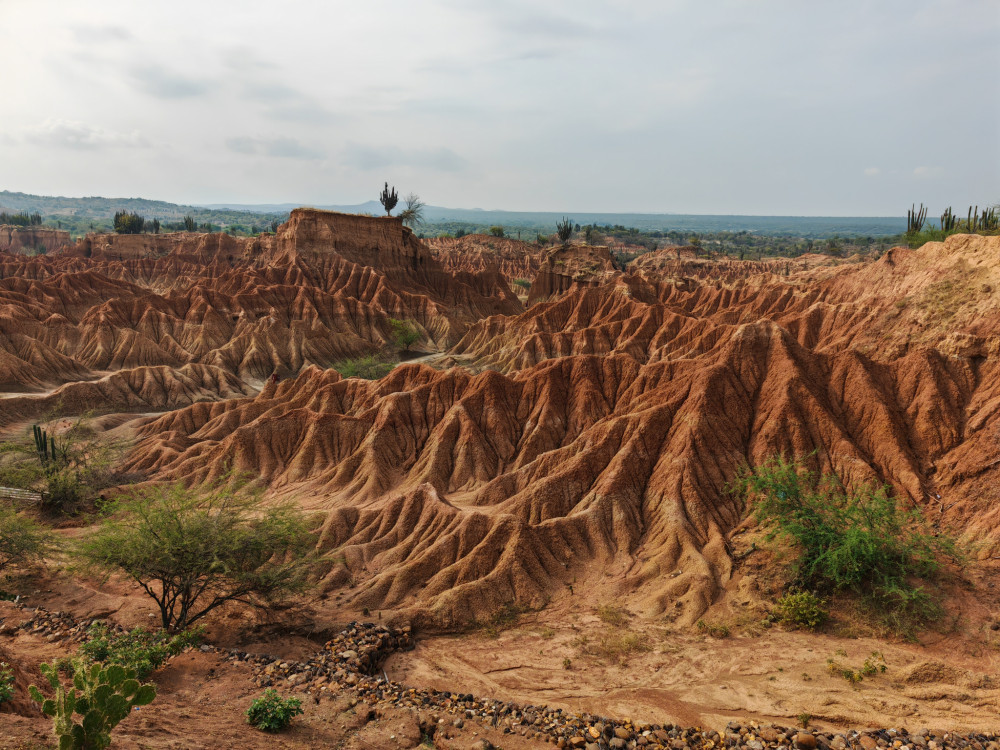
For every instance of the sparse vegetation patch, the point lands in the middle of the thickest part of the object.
(858, 541)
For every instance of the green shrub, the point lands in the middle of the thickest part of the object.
(21, 539)
(497, 231)
(801, 609)
(859, 541)
(370, 367)
(6, 682)
(271, 712)
(139, 649)
(522, 283)
(101, 697)
(68, 469)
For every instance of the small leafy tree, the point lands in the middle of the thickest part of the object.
(156, 226)
(404, 334)
(128, 223)
(195, 550)
(592, 236)
(564, 229)
(388, 199)
(101, 697)
(497, 231)
(271, 712)
(21, 539)
(189, 224)
(413, 214)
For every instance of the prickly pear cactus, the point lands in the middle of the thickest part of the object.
(101, 697)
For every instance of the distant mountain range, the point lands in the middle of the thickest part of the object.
(436, 217)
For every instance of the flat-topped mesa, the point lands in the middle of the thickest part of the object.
(197, 246)
(383, 243)
(566, 265)
(15, 239)
(377, 241)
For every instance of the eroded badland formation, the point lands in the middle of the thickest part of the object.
(556, 463)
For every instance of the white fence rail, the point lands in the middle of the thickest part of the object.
(14, 493)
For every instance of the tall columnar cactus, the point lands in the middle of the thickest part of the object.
(388, 199)
(101, 697)
(915, 219)
(990, 222)
(41, 444)
(948, 220)
(972, 222)
(45, 444)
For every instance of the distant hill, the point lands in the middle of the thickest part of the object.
(94, 213)
(439, 218)
(797, 226)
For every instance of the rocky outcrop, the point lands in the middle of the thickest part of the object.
(571, 266)
(598, 440)
(323, 289)
(480, 252)
(625, 411)
(15, 239)
(141, 389)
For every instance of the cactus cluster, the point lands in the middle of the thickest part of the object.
(101, 696)
(948, 220)
(987, 222)
(915, 219)
(45, 445)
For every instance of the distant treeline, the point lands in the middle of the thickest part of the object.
(126, 222)
(21, 219)
(82, 215)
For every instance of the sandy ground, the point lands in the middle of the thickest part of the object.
(698, 680)
(585, 652)
(200, 705)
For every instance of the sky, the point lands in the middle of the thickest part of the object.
(774, 107)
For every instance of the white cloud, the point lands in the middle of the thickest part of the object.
(281, 147)
(370, 157)
(78, 135)
(165, 84)
(761, 107)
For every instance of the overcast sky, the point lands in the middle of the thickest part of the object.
(731, 106)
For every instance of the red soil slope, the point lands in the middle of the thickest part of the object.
(15, 239)
(480, 252)
(568, 266)
(621, 413)
(321, 290)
